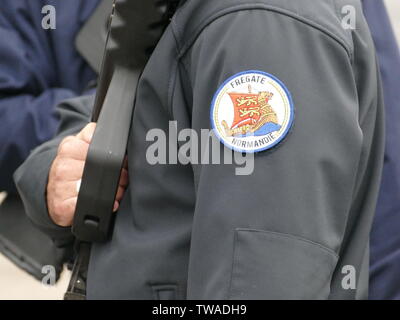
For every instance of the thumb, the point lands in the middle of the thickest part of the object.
(87, 133)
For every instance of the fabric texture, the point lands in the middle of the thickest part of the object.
(203, 232)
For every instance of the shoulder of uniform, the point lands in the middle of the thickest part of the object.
(326, 15)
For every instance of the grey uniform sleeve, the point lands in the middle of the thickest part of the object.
(31, 177)
(286, 230)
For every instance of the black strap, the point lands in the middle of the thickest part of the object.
(123, 63)
(91, 39)
(101, 175)
(93, 220)
(77, 285)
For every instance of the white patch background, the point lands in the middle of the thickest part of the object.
(223, 108)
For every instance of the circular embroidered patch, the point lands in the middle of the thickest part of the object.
(252, 111)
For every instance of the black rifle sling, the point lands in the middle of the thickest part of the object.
(93, 220)
(124, 60)
(91, 38)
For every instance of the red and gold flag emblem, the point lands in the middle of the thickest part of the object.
(252, 111)
(247, 109)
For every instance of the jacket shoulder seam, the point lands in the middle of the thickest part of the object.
(184, 46)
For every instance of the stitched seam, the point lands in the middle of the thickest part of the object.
(292, 237)
(174, 24)
(259, 6)
(158, 287)
(171, 88)
(172, 77)
(339, 17)
(229, 293)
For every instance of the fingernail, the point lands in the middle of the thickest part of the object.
(90, 136)
(116, 206)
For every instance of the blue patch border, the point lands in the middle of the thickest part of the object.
(288, 128)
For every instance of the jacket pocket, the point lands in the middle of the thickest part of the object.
(269, 265)
(165, 292)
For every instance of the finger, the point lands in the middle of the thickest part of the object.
(66, 190)
(64, 215)
(87, 133)
(116, 206)
(125, 165)
(120, 193)
(66, 170)
(124, 179)
(65, 140)
(73, 148)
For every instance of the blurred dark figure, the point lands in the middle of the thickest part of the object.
(38, 69)
(385, 236)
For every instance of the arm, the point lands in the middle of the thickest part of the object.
(48, 179)
(32, 177)
(286, 230)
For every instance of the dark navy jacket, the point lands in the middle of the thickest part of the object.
(385, 239)
(38, 69)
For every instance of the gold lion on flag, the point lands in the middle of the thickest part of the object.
(251, 113)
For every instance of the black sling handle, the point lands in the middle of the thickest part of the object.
(134, 30)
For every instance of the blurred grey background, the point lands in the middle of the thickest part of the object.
(16, 284)
(394, 11)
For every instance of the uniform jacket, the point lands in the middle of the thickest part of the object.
(38, 69)
(291, 230)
